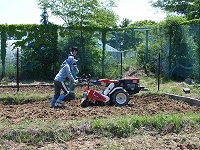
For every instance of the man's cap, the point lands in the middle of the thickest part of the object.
(74, 48)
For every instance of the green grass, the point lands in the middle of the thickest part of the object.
(21, 98)
(123, 127)
(35, 136)
(126, 126)
(171, 87)
(27, 97)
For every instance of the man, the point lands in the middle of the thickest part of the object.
(74, 68)
(73, 52)
(59, 82)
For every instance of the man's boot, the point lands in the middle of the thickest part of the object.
(60, 98)
(53, 102)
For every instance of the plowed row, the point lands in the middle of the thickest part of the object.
(145, 105)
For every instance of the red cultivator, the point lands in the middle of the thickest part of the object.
(116, 92)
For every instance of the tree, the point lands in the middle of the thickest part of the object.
(125, 23)
(84, 15)
(44, 16)
(189, 8)
(81, 13)
(43, 49)
(122, 39)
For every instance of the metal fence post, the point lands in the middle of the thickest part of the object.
(159, 72)
(17, 69)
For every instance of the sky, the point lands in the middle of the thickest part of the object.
(28, 12)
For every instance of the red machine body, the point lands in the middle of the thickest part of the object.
(116, 92)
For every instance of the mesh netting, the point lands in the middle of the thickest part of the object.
(182, 71)
(179, 54)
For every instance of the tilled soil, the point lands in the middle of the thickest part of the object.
(148, 105)
(144, 105)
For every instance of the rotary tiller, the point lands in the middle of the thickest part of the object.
(116, 92)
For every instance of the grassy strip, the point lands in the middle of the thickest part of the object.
(37, 136)
(170, 86)
(25, 97)
(124, 126)
(35, 132)
(22, 98)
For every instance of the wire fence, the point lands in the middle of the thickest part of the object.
(141, 46)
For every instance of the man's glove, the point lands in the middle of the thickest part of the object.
(75, 81)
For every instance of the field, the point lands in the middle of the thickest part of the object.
(149, 105)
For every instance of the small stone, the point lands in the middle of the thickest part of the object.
(186, 90)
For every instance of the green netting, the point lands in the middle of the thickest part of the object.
(183, 71)
(179, 55)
